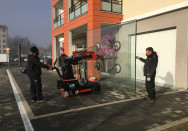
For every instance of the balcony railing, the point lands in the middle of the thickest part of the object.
(78, 9)
(59, 21)
(114, 6)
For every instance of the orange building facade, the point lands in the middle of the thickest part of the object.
(73, 23)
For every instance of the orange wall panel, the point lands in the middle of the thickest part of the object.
(53, 2)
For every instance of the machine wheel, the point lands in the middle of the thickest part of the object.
(117, 45)
(117, 68)
(96, 88)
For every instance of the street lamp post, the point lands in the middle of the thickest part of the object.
(19, 54)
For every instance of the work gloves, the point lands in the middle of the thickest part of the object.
(148, 79)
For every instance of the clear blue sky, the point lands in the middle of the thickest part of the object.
(27, 18)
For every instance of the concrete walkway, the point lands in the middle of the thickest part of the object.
(110, 110)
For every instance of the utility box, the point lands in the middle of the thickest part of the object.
(4, 57)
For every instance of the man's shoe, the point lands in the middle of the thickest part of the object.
(41, 101)
(151, 101)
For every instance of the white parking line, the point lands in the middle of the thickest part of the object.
(98, 105)
(27, 123)
(22, 98)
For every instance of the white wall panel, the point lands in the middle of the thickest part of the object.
(164, 43)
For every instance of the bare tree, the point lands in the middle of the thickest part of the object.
(13, 45)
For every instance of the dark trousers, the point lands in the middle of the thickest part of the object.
(35, 87)
(150, 87)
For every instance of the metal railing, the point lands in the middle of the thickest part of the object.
(114, 6)
(59, 21)
(78, 9)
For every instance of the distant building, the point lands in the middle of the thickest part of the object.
(3, 38)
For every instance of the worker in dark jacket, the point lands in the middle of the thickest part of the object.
(64, 63)
(34, 72)
(61, 60)
(150, 72)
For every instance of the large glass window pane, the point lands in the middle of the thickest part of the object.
(116, 66)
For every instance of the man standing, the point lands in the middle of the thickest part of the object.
(150, 72)
(61, 59)
(63, 62)
(34, 72)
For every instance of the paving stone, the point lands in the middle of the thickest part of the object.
(130, 116)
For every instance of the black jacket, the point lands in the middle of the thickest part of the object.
(61, 60)
(150, 65)
(34, 65)
(66, 64)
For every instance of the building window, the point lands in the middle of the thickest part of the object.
(77, 9)
(114, 6)
(59, 20)
(4, 51)
(4, 46)
(3, 36)
(4, 41)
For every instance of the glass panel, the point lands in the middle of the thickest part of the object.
(106, 6)
(115, 68)
(132, 48)
(71, 16)
(116, 8)
(77, 12)
(84, 8)
(58, 24)
(54, 26)
(62, 21)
